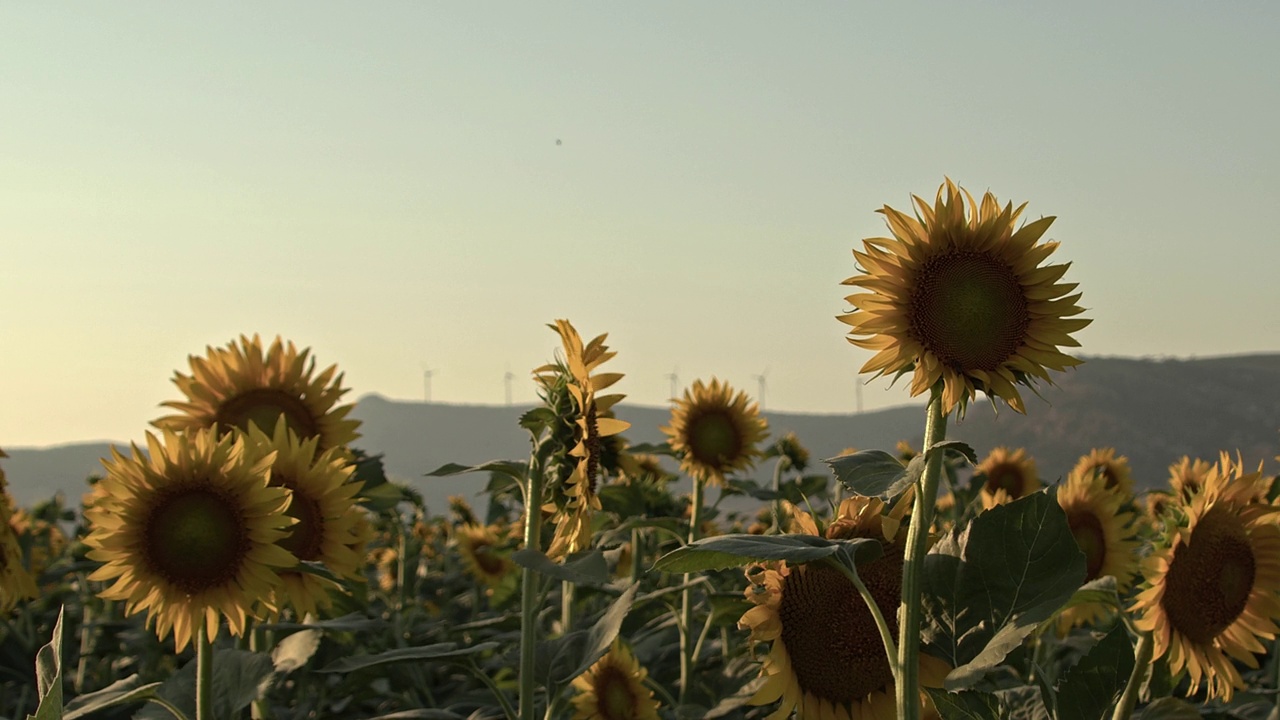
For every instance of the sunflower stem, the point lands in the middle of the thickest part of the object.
(637, 554)
(566, 606)
(908, 659)
(529, 588)
(686, 597)
(204, 674)
(777, 489)
(1141, 662)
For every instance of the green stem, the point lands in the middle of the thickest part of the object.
(204, 674)
(1141, 661)
(686, 598)
(637, 554)
(886, 637)
(908, 675)
(529, 590)
(566, 606)
(507, 710)
(777, 488)
(258, 642)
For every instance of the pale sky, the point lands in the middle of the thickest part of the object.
(382, 182)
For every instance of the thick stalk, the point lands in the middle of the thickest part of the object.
(529, 590)
(566, 606)
(258, 642)
(204, 674)
(637, 554)
(1141, 661)
(908, 671)
(686, 598)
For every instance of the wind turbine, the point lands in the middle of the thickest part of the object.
(674, 377)
(426, 381)
(762, 382)
(506, 379)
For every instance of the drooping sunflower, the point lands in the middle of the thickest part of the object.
(15, 582)
(593, 423)
(192, 534)
(242, 385)
(1186, 476)
(323, 504)
(715, 431)
(1008, 475)
(613, 689)
(1212, 584)
(1114, 469)
(1105, 534)
(482, 555)
(827, 658)
(959, 295)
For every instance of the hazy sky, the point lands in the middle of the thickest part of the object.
(382, 182)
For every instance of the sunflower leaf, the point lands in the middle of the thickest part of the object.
(726, 551)
(662, 448)
(989, 587)
(1169, 708)
(957, 447)
(874, 473)
(603, 632)
(436, 651)
(510, 468)
(49, 675)
(121, 692)
(586, 568)
(1022, 703)
(1100, 591)
(238, 679)
(1090, 688)
(965, 705)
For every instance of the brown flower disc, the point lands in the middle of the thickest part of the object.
(1210, 577)
(969, 309)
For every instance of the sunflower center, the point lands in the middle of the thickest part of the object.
(486, 559)
(594, 447)
(264, 407)
(614, 696)
(195, 539)
(714, 438)
(969, 310)
(1007, 478)
(305, 538)
(1091, 539)
(1210, 577)
(831, 639)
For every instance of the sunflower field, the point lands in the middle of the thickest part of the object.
(250, 561)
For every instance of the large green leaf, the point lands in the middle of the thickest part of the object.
(875, 473)
(986, 589)
(125, 691)
(239, 677)
(1099, 591)
(1022, 703)
(437, 651)
(49, 675)
(965, 705)
(725, 551)
(1090, 688)
(509, 468)
(586, 568)
(603, 632)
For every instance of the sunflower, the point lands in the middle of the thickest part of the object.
(1157, 507)
(1186, 476)
(1104, 533)
(613, 689)
(1104, 462)
(827, 658)
(788, 447)
(192, 533)
(593, 423)
(15, 582)
(1007, 475)
(1211, 583)
(715, 432)
(963, 300)
(323, 504)
(482, 554)
(44, 540)
(241, 385)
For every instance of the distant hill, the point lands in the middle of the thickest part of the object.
(1152, 411)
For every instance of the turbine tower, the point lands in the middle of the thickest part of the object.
(426, 382)
(674, 377)
(506, 379)
(762, 382)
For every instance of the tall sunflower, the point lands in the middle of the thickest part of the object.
(715, 431)
(15, 582)
(592, 422)
(1212, 584)
(192, 533)
(959, 295)
(323, 504)
(1114, 469)
(1186, 476)
(1007, 475)
(1105, 534)
(827, 658)
(613, 689)
(242, 385)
